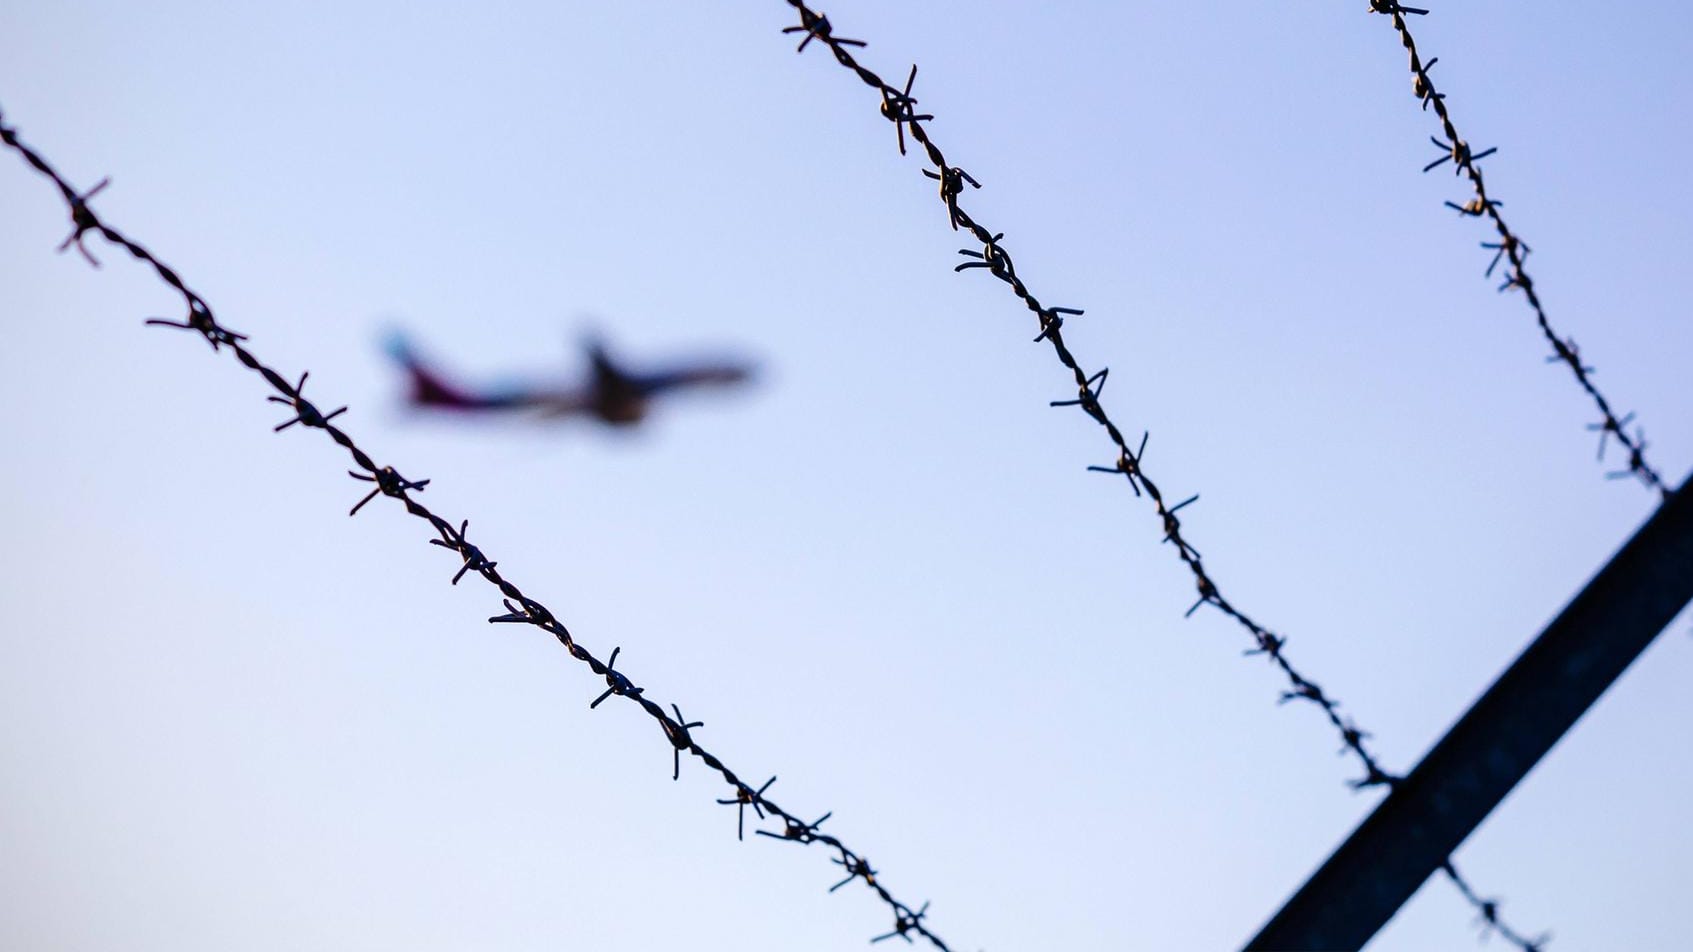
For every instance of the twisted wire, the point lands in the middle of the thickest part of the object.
(898, 106)
(520, 608)
(1513, 252)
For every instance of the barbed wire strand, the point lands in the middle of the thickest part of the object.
(1513, 252)
(898, 106)
(520, 608)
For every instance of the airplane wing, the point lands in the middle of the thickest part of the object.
(692, 375)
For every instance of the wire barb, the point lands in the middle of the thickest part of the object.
(1052, 320)
(304, 413)
(794, 830)
(528, 613)
(1566, 351)
(856, 867)
(744, 797)
(1607, 426)
(1090, 389)
(992, 257)
(952, 181)
(388, 483)
(1127, 465)
(1422, 85)
(1271, 645)
(1475, 207)
(616, 683)
(677, 732)
(903, 924)
(898, 108)
(474, 561)
(83, 221)
(1636, 454)
(1389, 6)
(200, 320)
(1504, 246)
(1374, 777)
(1353, 738)
(816, 26)
(1458, 153)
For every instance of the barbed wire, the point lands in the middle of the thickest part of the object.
(1513, 252)
(1487, 913)
(898, 106)
(520, 608)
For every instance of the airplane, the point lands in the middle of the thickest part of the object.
(613, 393)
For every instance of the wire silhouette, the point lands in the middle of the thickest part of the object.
(520, 608)
(1511, 249)
(898, 105)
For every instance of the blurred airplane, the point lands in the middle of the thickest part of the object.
(613, 393)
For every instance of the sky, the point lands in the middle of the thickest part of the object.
(232, 717)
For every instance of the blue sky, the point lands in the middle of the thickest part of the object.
(232, 717)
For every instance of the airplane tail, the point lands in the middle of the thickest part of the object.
(610, 378)
(599, 358)
(428, 389)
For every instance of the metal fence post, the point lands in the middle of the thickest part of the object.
(1543, 693)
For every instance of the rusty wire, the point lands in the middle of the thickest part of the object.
(386, 481)
(898, 105)
(1513, 251)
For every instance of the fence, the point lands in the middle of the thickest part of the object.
(900, 106)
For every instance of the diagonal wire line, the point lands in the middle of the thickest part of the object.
(899, 106)
(520, 608)
(1512, 251)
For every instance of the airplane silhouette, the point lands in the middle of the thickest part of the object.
(612, 394)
